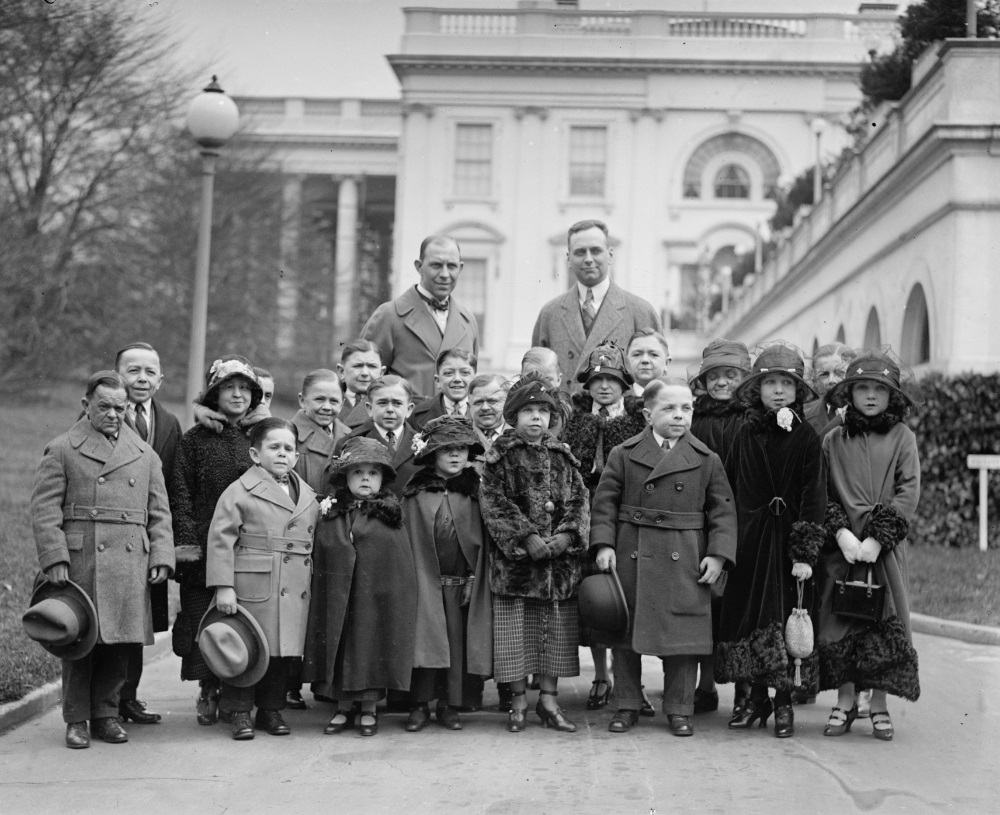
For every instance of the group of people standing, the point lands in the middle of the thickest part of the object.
(418, 527)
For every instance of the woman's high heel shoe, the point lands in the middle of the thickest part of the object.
(754, 710)
(553, 718)
(600, 693)
(207, 705)
(516, 716)
(840, 721)
(882, 725)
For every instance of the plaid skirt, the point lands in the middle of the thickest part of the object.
(534, 637)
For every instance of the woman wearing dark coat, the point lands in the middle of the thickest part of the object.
(207, 462)
(776, 471)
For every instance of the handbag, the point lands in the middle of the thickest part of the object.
(858, 599)
(799, 636)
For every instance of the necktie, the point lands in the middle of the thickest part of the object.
(390, 439)
(329, 430)
(666, 445)
(141, 425)
(604, 412)
(588, 313)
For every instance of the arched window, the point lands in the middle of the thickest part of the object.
(840, 334)
(873, 332)
(916, 344)
(732, 181)
(752, 151)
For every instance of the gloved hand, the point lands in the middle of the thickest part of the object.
(536, 546)
(849, 545)
(802, 571)
(559, 543)
(869, 551)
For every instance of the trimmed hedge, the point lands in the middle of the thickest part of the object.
(955, 416)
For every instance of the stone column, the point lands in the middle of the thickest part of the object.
(288, 292)
(346, 259)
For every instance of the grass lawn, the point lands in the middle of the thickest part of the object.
(959, 584)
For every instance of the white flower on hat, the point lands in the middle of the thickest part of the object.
(419, 443)
(785, 418)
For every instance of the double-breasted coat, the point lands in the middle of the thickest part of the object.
(102, 509)
(663, 512)
(409, 340)
(559, 326)
(261, 543)
(315, 447)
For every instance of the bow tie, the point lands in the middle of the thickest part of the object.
(281, 479)
(437, 305)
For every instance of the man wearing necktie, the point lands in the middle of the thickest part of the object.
(139, 365)
(595, 310)
(412, 330)
(487, 395)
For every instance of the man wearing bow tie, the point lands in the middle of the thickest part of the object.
(412, 330)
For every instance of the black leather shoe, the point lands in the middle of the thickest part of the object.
(242, 728)
(448, 717)
(418, 719)
(753, 711)
(342, 720)
(555, 719)
(272, 722)
(77, 736)
(294, 700)
(600, 694)
(705, 701)
(680, 725)
(784, 721)
(207, 706)
(368, 724)
(517, 717)
(623, 720)
(109, 730)
(136, 711)
(503, 697)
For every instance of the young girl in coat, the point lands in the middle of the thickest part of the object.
(359, 641)
(359, 366)
(261, 538)
(207, 462)
(874, 486)
(776, 470)
(537, 512)
(718, 414)
(453, 646)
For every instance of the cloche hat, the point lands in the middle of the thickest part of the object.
(62, 619)
(870, 367)
(357, 451)
(606, 360)
(441, 432)
(722, 353)
(777, 359)
(222, 370)
(530, 389)
(233, 646)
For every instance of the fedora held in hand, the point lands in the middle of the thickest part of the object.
(233, 646)
(62, 619)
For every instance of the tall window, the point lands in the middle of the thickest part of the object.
(732, 181)
(474, 160)
(588, 151)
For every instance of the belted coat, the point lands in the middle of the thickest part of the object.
(663, 512)
(260, 542)
(102, 509)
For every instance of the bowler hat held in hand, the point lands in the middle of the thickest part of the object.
(601, 602)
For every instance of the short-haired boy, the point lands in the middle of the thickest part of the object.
(454, 370)
(663, 514)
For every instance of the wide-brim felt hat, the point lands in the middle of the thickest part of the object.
(225, 368)
(233, 646)
(442, 432)
(777, 359)
(529, 390)
(601, 601)
(869, 368)
(62, 619)
(358, 451)
(722, 354)
(606, 360)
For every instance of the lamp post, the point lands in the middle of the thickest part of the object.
(212, 119)
(818, 126)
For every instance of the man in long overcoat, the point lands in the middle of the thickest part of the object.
(101, 518)
(412, 330)
(595, 310)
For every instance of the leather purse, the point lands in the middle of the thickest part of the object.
(859, 599)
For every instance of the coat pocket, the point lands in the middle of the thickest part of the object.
(687, 595)
(74, 541)
(252, 578)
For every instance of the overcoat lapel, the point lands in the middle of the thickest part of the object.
(572, 321)
(681, 457)
(455, 328)
(614, 310)
(418, 320)
(125, 451)
(261, 485)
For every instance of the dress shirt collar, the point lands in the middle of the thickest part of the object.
(600, 290)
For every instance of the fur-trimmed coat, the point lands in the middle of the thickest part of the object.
(521, 480)
(662, 512)
(425, 493)
(591, 437)
(716, 422)
(779, 482)
(874, 487)
(362, 616)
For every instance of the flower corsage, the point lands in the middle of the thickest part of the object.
(326, 506)
(418, 444)
(785, 419)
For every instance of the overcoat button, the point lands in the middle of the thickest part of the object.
(675, 556)
(307, 563)
(308, 546)
(309, 529)
(572, 354)
(131, 482)
(286, 558)
(93, 513)
(101, 480)
(634, 556)
(124, 516)
(636, 516)
(100, 547)
(679, 486)
(284, 592)
(659, 519)
(549, 507)
(305, 594)
(649, 488)
(288, 546)
(128, 547)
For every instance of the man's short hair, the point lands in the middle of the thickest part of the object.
(109, 379)
(438, 239)
(641, 333)
(260, 430)
(485, 380)
(457, 353)
(580, 226)
(654, 386)
(390, 381)
(834, 349)
(537, 357)
(262, 372)
(145, 346)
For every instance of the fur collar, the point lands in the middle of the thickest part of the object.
(857, 424)
(705, 405)
(511, 440)
(384, 506)
(584, 403)
(760, 420)
(427, 480)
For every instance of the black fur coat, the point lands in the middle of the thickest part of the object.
(591, 437)
(534, 488)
